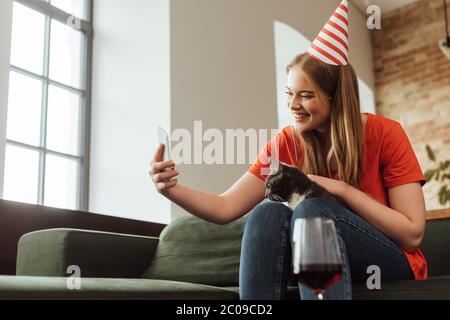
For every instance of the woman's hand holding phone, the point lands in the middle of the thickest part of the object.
(163, 172)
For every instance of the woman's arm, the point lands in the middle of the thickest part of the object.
(403, 222)
(224, 208)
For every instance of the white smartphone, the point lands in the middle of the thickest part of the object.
(163, 138)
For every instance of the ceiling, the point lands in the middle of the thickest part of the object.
(385, 5)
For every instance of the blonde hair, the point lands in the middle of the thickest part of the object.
(339, 85)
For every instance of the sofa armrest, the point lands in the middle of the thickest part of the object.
(97, 254)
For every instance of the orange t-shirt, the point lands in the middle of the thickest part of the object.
(388, 161)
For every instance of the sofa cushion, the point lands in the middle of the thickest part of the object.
(48, 253)
(12, 287)
(194, 250)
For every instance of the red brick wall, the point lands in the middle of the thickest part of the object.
(412, 80)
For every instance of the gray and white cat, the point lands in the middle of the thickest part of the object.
(291, 185)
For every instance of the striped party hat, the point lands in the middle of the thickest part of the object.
(331, 45)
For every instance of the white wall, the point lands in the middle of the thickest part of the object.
(288, 43)
(5, 48)
(224, 68)
(131, 97)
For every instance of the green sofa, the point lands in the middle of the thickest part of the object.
(192, 259)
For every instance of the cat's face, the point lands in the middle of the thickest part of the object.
(283, 181)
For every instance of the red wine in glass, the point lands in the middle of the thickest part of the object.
(319, 277)
(317, 263)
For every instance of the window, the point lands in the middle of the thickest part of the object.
(46, 158)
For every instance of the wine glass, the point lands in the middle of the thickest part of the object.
(316, 258)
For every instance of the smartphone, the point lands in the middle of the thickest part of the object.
(163, 138)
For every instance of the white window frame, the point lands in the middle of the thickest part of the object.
(85, 26)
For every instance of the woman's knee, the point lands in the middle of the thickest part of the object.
(312, 208)
(268, 214)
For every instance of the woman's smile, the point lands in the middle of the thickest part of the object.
(301, 116)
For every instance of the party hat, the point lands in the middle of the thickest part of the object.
(331, 45)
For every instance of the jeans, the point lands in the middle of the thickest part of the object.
(266, 270)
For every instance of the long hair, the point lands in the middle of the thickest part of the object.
(339, 85)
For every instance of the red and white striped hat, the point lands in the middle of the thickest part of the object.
(331, 45)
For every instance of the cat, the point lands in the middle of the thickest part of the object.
(291, 185)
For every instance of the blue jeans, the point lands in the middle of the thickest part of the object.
(265, 268)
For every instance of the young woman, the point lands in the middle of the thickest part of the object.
(365, 159)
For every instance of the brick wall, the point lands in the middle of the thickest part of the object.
(413, 80)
